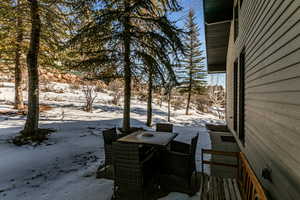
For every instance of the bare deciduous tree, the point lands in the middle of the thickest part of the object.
(90, 96)
(216, 95)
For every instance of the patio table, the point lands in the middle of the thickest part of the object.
(135, 163)
(149, 137)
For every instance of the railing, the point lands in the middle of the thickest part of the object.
(222, 153)
(249, 185)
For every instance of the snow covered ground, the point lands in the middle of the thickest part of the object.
(63, 168)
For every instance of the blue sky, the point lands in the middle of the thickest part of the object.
(197, 6)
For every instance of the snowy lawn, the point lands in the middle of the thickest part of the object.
(63, 168)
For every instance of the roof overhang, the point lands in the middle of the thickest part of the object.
(218, 16)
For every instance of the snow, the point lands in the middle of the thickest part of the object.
(180, 196)
(64, 167)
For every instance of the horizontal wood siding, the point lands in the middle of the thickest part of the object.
(229, 78)
(270, 33)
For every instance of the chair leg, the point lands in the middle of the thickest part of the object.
(196, 180)
(190, 182)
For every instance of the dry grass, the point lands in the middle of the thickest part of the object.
(43, 108)
(75, 87)
(50, 88)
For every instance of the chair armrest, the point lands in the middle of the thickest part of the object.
(180, 147)
(121, 135)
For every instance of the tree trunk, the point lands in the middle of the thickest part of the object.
(188, 102)
(31, 125)
(169, 104)
(190, 90)
(19, 104)
(161, 96)
(149, 102)
(127, 71)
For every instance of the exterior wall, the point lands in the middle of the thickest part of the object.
(269, 31)
(229, 78)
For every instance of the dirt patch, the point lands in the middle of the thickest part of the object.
(32, 139)
(43, 108)
(9, 112)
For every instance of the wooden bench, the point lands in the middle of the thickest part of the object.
(245, 187)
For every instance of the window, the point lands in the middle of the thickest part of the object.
(241, 115)
(235, 95)
(236, 21)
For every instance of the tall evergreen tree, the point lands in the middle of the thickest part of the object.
(120, 24)
(192, 75)
(19, 104)
(7, 35)
(31, 125)
(158, 69)
(15, 34)
(149, 98)
(11, 46)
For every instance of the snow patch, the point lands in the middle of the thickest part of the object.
(64, 167)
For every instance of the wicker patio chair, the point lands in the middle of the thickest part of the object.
(109, 136)
(178, 166)
(132, 171)
(164, 127)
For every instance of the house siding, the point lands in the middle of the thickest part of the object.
(269, 33)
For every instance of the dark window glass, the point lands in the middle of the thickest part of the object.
(236, 22)
(241, 127)
(235, 94)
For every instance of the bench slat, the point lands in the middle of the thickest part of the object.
(226, 190)
(205, 188)
(237, 191)
(211, 192)
(219, 189)
(215, 188)
(230, 185)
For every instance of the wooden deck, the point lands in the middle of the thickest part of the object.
(245, 187)
(217, 188)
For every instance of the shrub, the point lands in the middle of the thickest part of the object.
(99, 88)
(115, 85)
(116, 98)
(90, 97)
(142, 96)
(178, 103)
(201, 102)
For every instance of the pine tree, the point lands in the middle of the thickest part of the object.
(19, 104)
(15, 34)
(11, 37)
(31, 125)
(120, 25)
(192, 75)
(7, 35)
(149, 98)
(158, 68)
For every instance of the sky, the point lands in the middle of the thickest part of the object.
(197, 6)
